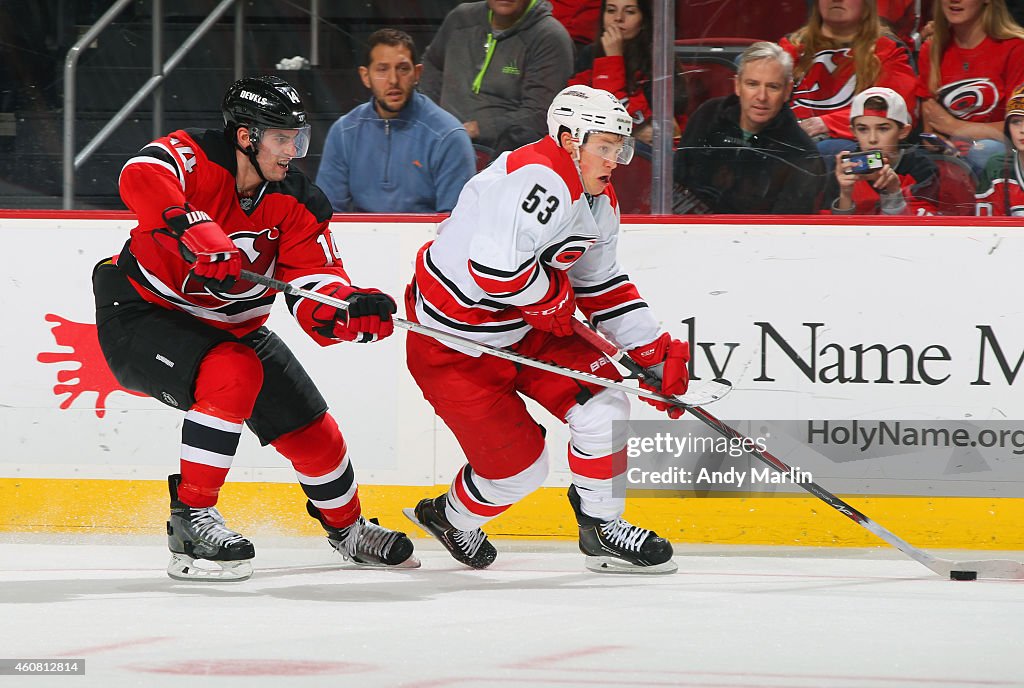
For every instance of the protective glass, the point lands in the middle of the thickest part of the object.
(293, 143)
(619, 151)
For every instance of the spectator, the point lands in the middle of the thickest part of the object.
(1003, 183)
(973, 61)
(581, 18)
(905, 18)
(746, 153)
(500, 95)
(619, 61)
(842, 50)
(908, 181)
(398, 153)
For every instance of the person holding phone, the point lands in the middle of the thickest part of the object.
(881, 177)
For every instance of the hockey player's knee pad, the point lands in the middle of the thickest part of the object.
(314, 449)
(229, 380)
(590, 424)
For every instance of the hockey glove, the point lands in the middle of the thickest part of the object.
(554, 312)
(367, 319)
(665, 360)
(204, 245)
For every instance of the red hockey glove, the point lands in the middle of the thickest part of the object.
(665, 359)
(367, 319)
(554, 312)
(204, 245)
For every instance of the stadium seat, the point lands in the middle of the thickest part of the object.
(632, 184)
(760, 21)
(707, 66)
(484, 156)
(957, 184)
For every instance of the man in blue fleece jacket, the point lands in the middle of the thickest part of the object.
(398, 153)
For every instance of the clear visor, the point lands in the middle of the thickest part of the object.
(286, 143)
(611, 147)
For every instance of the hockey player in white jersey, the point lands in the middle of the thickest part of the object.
(532, 238)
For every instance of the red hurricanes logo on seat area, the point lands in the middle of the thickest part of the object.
(969, 98)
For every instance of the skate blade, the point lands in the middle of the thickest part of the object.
(410, 514)
(613, 565)
(411, 563)
(183, 568)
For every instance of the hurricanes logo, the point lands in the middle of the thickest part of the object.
(562, 254)
(969, 98)
(828, 68)
(259, 255)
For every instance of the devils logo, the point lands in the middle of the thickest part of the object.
(259, 255)
(829, 83)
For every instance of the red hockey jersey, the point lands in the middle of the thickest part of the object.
(1005, 192)
(282, 232)
(828, 87)
(974, 84)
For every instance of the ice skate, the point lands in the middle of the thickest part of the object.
(620, 547)
(367, 543)
(200, 533)
(469, 547)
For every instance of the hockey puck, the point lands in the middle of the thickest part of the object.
(963, 575)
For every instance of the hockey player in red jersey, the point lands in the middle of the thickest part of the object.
(1003, 184)
(532, 238)
(176, 321)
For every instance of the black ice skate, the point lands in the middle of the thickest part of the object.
(366, 543)
(201, 534)
(620, 547)
(469, 547)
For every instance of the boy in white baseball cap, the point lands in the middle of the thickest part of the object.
(881, 177)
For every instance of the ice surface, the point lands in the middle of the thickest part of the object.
(731, 616)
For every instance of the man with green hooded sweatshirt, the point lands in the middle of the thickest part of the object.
(496, 65)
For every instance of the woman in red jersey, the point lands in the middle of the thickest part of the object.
(969, 67)
(842, 50)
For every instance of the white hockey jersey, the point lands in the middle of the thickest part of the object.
(527, 212)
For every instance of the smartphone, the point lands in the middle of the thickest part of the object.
(940, 143)
(865, 162)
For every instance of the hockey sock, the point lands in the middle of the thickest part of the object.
(228, 381)
(320, 458)
(208, 445)
(473, 500)
(593, 476)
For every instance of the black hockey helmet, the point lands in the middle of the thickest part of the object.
(264, 102)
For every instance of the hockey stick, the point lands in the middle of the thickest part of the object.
(709, 392)
(984, 568)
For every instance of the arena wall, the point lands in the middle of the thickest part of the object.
(810, 318)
